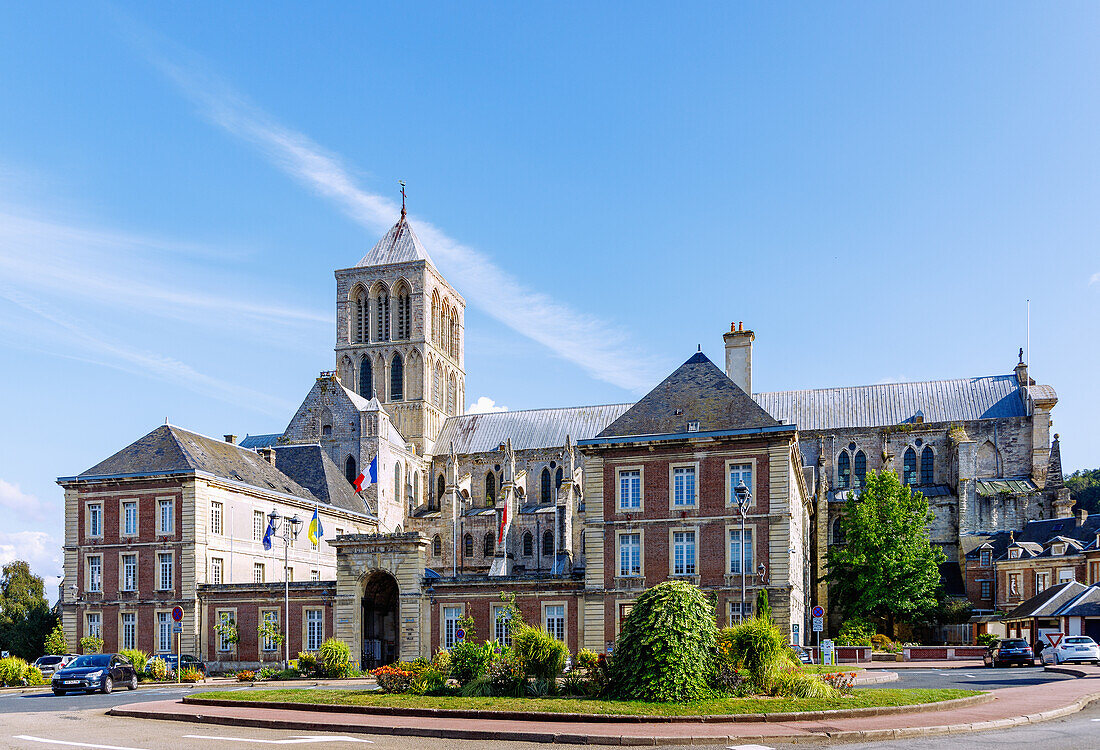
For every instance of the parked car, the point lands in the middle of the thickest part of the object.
(1008, 651)
(50, 663)
(189, 662)
(802, 654)
(1072, 648)
(93, 672)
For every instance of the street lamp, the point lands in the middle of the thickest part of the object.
(291, 529)
(744, 497)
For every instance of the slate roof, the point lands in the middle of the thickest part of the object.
(697, 391)
(996, 487)
(1048, 602)
(1086, 605)
(171, 449)
(311, 467)
(959, 400)
(400, 245)
(530, 429)
(1034, 536)
(252, 442)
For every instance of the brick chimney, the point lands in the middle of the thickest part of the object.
(739, 356)
(231, 439)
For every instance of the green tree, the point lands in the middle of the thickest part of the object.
(25, 617)
(763, 608)
(55, 641)
(887, 567)
(1084, 488)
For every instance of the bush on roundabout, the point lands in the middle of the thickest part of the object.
(539, 655)
(666, 650)
(334, 659)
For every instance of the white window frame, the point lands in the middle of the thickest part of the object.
(94, 512)
(124, 506)
(1066, 575)
(128, 578)
(985, 558)
(449, 615)
(164, 631)
(620, 498)
(269, 615)
(127, 635)
(1042, 581)
(500, 625)
(314, 575)
(683, 500)
(168, 528)
(225, 615)
(731, 497)
(687, 544)
(217, 570)
(733, 561)
(258, 526)
(986, 589)
(735, 608)
(93, 624)
(622, 549)
(93, 578)
(171, 558)
(555, 623)
(259, 567)
(217, 518)
(315, 629)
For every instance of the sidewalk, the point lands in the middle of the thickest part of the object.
(1010, 707)
(937, 664)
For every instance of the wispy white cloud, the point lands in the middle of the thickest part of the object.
(1094, 279)
(485, 405)
(40, 549)
(601, 348)
(23, 504)
(893, 379)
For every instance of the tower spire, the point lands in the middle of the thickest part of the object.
(402, 184)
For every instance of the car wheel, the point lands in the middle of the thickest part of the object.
(108, 684)
(132, 685)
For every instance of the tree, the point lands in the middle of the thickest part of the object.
(887, 567)
(25, 617)
(1084, 488)
(763, 608)
(55, 641)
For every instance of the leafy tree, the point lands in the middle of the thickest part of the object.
(763, 608)
(1084, 488)
(25, 617)
(55, 641)
(887, 567)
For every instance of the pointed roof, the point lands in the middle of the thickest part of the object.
(1055, 480)
(697, 391)
(400, 245)
(311, 467)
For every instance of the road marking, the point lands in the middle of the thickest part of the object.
(749, 747)
(969, 675)
(315, 739)
(73, 744)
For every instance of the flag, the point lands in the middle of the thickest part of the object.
(359, 482)
(269, 534)
(503, 523)
(316, 531)
(373, 470)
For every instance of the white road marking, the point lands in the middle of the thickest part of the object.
(969, 675)
(749, 747)
(73, 744)
(314, 739)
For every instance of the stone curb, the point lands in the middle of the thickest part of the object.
(876, 679)
(1066, 669)
(449, 713)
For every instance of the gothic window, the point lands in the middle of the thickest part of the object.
(437, 546)
(454, 333)
(843, 471)
(402, 314)
(435, 317)
(440, 490)
(452, 392)
(360, 306)
(838, 532)
(544, 488)
(909, 467)
(416, 487)
(557, 479)
(489, 547)
(397, 378)
(366, 379)
(468, 546)
(380, 384)
(548, 543)
(861, 468)
(490, 488)
(350, 469)
(382, 315)
(326, 430)
(528, 544)
(397, 484)
(437, 387)
(927, 463)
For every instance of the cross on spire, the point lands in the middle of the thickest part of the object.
(402, 184)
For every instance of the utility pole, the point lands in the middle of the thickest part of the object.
(290, 531)
(744, 497)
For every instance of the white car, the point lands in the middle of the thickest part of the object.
(1079, 648)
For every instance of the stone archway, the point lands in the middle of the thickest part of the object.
(379, 617)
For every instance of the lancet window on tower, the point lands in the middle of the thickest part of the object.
(402, 313)
(360, 306)
(544, 487)
(927, 464)
(382, 315)
(435, 317)
(437, 386)
(366, 378)
(397, 378)
(452, 389)
(909, 467)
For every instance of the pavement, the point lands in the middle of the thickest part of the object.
(1009, 707)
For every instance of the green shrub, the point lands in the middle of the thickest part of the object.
(763, 608)
(55, 641)
(988, 639)
(334, 659)
(441, 662)
(801, 685)
(91, 644)
(33, 676)
(478, 687)
(880, 642)
(158, 668)
(757, 646)
(135, 657)
(246, 675)
(307, 663)
(506, 676)
(429, 682)
(470, 661)
(576, 683)
(855, 632)
(666, 648)
(13, 670)
(539, 654)
(268, 673)
(586, 660)
(288, 674)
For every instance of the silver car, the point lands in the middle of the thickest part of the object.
(1072, 648)
(50, 663)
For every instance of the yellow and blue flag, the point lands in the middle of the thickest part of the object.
(316, 531)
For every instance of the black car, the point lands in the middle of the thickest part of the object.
(1009, 651)
(93, 672)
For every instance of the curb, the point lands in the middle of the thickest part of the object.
(876, 679)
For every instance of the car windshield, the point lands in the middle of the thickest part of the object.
(91, 660)
(1080, 640)
(1013, 644)
(47, 660)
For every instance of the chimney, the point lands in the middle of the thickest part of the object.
(231, 439)
(267, 454)
(739, 356)
(1082, 517)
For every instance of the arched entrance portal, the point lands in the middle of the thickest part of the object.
(379, 620)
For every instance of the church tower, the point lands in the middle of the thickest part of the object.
(399, 335)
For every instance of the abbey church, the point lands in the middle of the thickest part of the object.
(575, 510)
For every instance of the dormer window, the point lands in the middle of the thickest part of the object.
(1014, 553)
(1058, 549)
(985, 557)
(693, 426)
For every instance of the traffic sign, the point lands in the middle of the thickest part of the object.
(177, 628)
(460, 635)
(818, 612)
(1055, 638)
(819, 624)
(177, 613)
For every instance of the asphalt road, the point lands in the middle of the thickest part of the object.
(980, 678)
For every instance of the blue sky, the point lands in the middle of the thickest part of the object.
(875, 189)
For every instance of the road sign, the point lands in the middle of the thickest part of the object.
(818, 612)
(1055, 638)
(828, 656)
(460, 635)
(177, 628)
(819, 624)
(177, 613)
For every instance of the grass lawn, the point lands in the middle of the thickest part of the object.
(859, 699)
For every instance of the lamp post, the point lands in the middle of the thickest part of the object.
(290, 529)
(744, 497)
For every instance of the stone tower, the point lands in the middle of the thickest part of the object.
(399, 336)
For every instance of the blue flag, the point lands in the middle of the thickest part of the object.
(269, 534)
(373, 470)
(316, 531)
